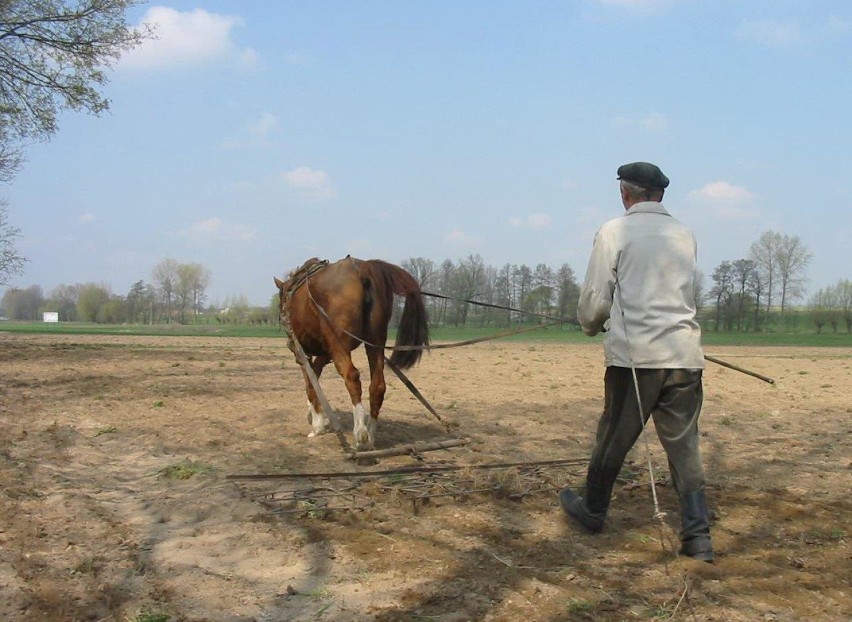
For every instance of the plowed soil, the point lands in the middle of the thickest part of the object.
(115, 502)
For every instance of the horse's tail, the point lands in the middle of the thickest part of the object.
(414, 324)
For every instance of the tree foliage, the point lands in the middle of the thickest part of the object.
(832, 306)
(53, 56)
(182, 288)
(23, 304)
(774, 270)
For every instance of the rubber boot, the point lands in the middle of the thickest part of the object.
(589, 511)
(695, 535)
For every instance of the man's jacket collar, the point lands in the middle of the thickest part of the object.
(647, 207)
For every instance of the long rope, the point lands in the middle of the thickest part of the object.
(554, 321)
(657, 513)
(659, 516)
(563, 320)
(441, 346)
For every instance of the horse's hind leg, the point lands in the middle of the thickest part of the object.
(316, 417)
(352, 377)
(376, 357)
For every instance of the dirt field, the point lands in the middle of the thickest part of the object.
(115, 505)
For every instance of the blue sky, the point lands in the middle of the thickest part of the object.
(253, 135)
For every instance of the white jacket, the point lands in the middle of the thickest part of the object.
(650, 258)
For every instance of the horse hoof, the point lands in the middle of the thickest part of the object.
(363, 442)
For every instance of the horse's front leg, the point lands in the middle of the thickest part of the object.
(316, 417)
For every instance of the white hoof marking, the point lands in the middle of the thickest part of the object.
(319, 424)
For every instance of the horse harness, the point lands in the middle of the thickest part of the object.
(298, 278)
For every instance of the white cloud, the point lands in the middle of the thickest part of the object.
(722, 191)
(651, 122)
(312, 183)
(459, 238)
(725, 201)
(187, 38)
(87, 217)
(770, 32)
(532, 221)
(264, 125)
(216, 230)
(256, 132)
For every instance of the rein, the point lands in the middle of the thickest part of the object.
(303, 275)
(442, 346)
(558, 320)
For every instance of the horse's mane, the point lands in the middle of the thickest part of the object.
(300, 274)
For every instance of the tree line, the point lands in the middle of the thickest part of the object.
(177, 294)
(748, 294)
(540, 290)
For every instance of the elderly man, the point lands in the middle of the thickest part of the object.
(640, 289)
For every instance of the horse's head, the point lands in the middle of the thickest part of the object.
(283, 288)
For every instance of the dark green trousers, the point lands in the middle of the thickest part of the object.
(673, 397)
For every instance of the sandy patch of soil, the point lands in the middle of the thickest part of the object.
(97, 524)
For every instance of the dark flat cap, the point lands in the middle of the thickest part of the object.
(643, 174)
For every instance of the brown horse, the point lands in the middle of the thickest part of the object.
(331, 309)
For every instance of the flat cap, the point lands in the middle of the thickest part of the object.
(643, 174)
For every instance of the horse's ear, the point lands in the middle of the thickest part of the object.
(279, 283)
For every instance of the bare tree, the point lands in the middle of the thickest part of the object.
(11, 263)
(723, 277)
(445, 281)
(764, 254)
(165, 275)
(698, 289)
(423, 271)
(568, 292)
(825, 308)
(742, 278)
(523, 282)
(503, 291)
(468, 284)
(193, 281)
(844, 301)
(792, 257)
